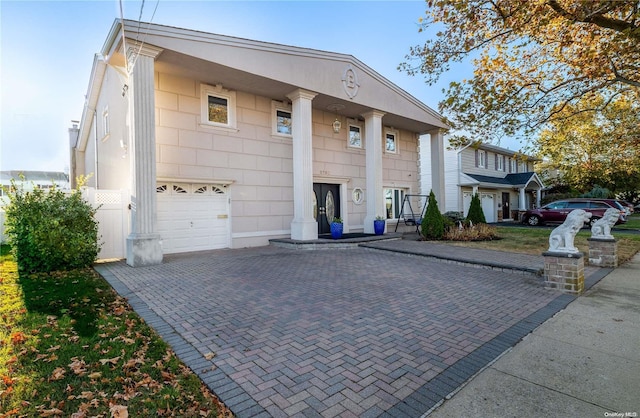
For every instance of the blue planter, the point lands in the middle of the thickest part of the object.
(336, 230)
(378, 227)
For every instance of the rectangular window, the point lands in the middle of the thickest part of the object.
(218, 107)
(105, 122)
(499, 162)
(390, 143)
(355, 138)
(513, 165)
(393, 199)
(483, 159)
(283, 122)
(218, 110)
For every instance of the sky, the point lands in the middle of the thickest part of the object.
(47, 50)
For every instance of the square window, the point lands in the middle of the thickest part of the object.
(283, 122)
(355, 137)
(390, 143)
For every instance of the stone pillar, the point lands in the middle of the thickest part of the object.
(144, 245)
(603, 252)
(373, 159)
(564, 271)
(437, 166)
(303, 225)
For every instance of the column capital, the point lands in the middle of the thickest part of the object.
(302, 94)
(135, 48)
(373, 113)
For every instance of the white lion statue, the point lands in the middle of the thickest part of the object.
(602, 227)
(561, 238)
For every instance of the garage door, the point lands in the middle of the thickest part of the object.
(192, 217)
(488, 207)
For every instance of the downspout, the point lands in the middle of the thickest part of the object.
(95, 151)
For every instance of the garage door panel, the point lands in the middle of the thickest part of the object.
(193, 221)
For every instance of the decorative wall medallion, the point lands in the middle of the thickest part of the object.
(358, 196)
(350, 82)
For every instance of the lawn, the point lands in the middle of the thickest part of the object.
(535, 240)
(70, 346)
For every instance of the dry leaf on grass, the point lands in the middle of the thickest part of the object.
(118, 411)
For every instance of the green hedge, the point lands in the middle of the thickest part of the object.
(51, 230)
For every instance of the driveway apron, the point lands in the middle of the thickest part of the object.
(359, 332)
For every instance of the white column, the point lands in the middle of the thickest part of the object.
(144, 246)
(522, 201)
(538, 197)
(373, 159)
(437, 166)
(303, 225)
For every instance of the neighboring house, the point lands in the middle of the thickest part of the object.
(28, 180)
(225, 142)
(505, 181)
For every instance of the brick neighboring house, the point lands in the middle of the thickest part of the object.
(223, 142)
(504, 179)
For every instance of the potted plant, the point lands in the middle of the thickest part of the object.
(336, 228)
(378, 225)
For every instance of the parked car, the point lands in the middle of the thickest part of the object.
(628, 207)
(556, 212)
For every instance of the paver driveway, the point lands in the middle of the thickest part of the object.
(356, 332)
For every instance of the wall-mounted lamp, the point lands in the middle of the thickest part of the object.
(336, 123)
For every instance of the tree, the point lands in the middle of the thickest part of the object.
(534, 60)
(476, 214)
(432, 224)
(595, 147)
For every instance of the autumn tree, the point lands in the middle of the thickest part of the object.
(534, 60)
(595, 147)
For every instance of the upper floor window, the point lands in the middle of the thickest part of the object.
(390, 143)
(281, 122)
(355, 136)
(218, 106)
(481, 158)
(499, 162)
(513, 165)
(105, 122)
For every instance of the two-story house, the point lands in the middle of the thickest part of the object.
(504, 179)
(222, 142)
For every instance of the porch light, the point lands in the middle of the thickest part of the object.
(336, 126)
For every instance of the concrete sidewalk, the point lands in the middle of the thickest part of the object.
(584, 362)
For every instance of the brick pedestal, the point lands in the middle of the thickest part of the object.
(564, 271)
(603, 252)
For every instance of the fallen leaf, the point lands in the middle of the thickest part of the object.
(50, 412)
(58, 373)
(209, 355)
(113, 361)
(118, 411)
(95, 375)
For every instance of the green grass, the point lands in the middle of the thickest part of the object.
(69, 344)
(633, 222)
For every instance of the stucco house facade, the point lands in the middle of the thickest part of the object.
(224, 142)
(505, 180)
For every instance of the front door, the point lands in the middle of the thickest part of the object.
(505, 206)
(326, 205)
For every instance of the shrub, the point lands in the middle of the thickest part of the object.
(432, 224)
(476, 215)
(454, 216)
(50, 231)
(477, 232)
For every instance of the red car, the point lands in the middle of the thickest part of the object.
(556, 212)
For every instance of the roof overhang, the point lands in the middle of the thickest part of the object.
(274, 71)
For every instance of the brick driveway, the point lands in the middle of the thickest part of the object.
(356, 332)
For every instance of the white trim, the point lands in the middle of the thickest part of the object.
(360, 129)
(260, 233)
(194, 180)
(219, 92)
(396, 141)
(283, 107)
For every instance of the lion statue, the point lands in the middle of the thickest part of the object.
(602, 227)
(561, 238)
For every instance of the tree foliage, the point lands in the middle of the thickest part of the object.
(534, 60)
(51, 230)
(432, 224)
(595, 147)
(476, 214)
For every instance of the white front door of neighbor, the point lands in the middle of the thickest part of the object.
(488, 207)
(192, 217)
(466, 202)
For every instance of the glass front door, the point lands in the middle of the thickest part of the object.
(326, 205)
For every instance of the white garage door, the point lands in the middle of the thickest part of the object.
(488, 207)
(192, 217)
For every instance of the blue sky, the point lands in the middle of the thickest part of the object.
(47, 49)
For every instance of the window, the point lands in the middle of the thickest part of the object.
(281, 122)
(499, 162)
(481, 159)
(390, 143)
(105, 122)
(513, 165)
(355, 136)
(393, 199)
(218, 106)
